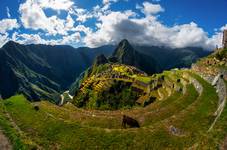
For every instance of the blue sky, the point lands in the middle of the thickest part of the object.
(172, 23)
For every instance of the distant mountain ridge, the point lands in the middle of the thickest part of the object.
(44, 71)
(168, 58)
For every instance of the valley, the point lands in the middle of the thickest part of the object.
(175, 109)
(113, 75)
(174, 119)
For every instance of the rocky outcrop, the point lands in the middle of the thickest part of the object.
(197, 85)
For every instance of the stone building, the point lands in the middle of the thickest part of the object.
(224, 42)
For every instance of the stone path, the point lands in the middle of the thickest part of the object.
(4, 142)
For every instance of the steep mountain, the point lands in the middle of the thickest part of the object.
(126, 54)
(42, 71)
(110, 86)
(176, 109)
(117, 82)
(149, 59)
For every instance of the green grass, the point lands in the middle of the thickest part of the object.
(199, 116)
(54, 127)
(14, 137)
(216, 136)
(143, 79)
(172, 106)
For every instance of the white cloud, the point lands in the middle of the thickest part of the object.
(55, 4)
(69, 22)
(71, 39)
(27, 38)
(216, 39)
(8, 12)
(8, 24)
(32, 39)
(37, 39)
(82, 14)
(223, 28)
(110, 27)
(82, 28)
(108, 1)
(149, 8)
(147, 30)
(33, 17)
(106, 31)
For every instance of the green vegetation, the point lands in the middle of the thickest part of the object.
(111, 87)
(175, 109)
(68, 127)
(221, 54)
(18, 141)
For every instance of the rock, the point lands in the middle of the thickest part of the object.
(175, 131)
(36, 107)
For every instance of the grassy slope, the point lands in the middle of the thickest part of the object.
(15, 138)
(54, 127)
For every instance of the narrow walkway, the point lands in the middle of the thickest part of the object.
(4, 142)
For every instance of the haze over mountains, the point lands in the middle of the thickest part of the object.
(44, 71)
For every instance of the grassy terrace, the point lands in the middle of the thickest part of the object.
(216, 136)
(17, 140)
(67, 127)
(172, 106)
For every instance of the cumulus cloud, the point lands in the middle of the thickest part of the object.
(224, 27)
(33, 17)
(82, 14)
(33, 39)
(38, 39)
(216, 39)
(82, 28)
(148, 30)
(8, 24)
(149, 8)
(106, 29)
(27, 38)
(110, 26)
(55, 4)
(70, 39)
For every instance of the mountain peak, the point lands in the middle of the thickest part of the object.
(125, 45)
(124, 42)
(100, 59)
(124, 53)
(9, 44)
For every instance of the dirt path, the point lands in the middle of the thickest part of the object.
(4, 142)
